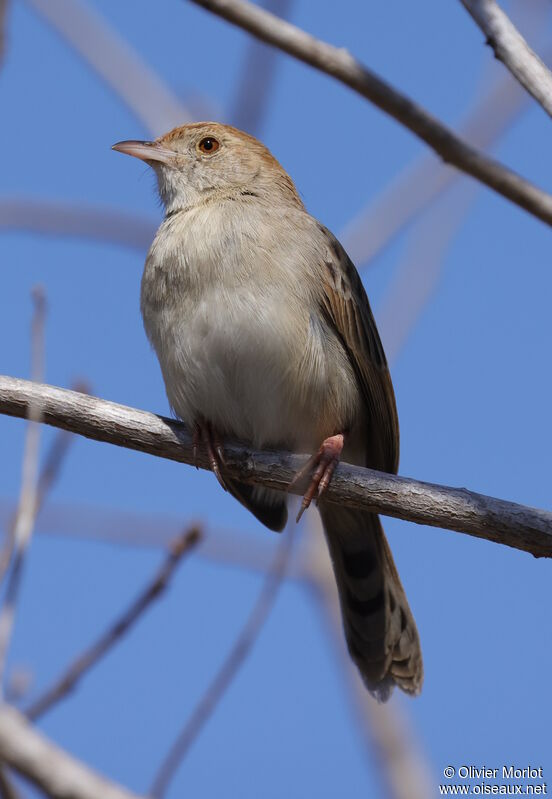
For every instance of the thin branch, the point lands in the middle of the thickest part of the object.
(53, 218)
(511, 48)
(47, 477)
(88, 659)
(391, 743)
(220, 684)
(49, 767)
(113, 59)
(7, 788)
(420, 269)
(255, 86)
(21, 531)
(49, 472)
(518, 526)
(339, 64)
(422, 183)
(225, 546)
(19, 684)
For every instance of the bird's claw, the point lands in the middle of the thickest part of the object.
(204, 431)
(324, 463)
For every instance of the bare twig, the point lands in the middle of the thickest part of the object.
(21, 531)
(111, 57)
(417, 188)
(254, 89)
(420, 269)
(457, 509)
(55, 456)
(389, 745)
(53, 218)
(228, 670)
(52, 463)
(339, 64)
(7, 788)
(511, 48)
(49, 767)
(156, 531)
(85, 661)
(46, 478)
(18, 684)
(392, 744)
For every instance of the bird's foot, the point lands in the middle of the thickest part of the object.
(205, 433)
(321, 468)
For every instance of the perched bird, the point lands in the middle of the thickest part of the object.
(264, 333)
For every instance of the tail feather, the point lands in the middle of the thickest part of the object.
(379, 627)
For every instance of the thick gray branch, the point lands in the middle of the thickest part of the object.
(457, 509)
(511, 48)
(47, 766)
(339, 64)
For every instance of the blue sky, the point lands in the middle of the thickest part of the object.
(473, 387)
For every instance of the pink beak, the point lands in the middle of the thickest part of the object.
(145, 150)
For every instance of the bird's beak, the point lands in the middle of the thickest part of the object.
(145, 150)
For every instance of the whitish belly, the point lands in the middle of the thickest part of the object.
(255, 372)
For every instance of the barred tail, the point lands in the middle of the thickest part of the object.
(379, 626)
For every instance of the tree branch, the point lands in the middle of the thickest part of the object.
(255, 86)
(503, 522)
(227, 671)
(47, 766)
(21, 531)
(53, 218)
(419, 270)
(7, 789)
(111, 56)
(392, 747)
(92, 654)
(77, 521)
(511, 48)
(339, 64)
(421, 183)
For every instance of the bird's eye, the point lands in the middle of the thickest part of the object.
(208, 145)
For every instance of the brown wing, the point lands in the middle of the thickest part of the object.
(346, 306)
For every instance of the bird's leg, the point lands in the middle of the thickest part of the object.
(204, 431)
(322, 466)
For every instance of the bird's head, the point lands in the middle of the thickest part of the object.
(205, 160)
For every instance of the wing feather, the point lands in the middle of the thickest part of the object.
(346, 307)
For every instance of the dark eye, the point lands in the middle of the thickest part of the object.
(208, 145)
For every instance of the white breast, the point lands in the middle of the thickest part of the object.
(237, 332)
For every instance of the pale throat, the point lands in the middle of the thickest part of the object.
(180, 191)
